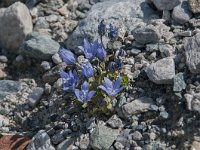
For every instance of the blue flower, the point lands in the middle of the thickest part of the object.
(87, 69)
(67, 56)
(69, 79)
(101, 28)
(121, 52)
(88, 49)
(100, 50)
(112, 66)
(113, 32)
(84, 95)
(118, 64)
(111, 88)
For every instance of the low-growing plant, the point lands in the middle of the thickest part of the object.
(97, 77)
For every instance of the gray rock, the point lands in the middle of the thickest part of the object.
(57, 138)
(4, 121)
(56, 59)
(32, 3)
(41, 23)
(181, 13)
(166, 50)
(103, 137)
(193, 102)
(35, 96)
(45, 65)
(8, 87)
(140, 105)
(192, 52)
(3, 59)
(136, 136)
(147, 34)
(118, 145)
(166, 4)
(66, 144)
(179, 83)
(39, 46)
(52, 18)
(115, 122)
(162, 71)
(41, 141)
(121, 14)
(194, 6)
(15, 24)
(84, 142)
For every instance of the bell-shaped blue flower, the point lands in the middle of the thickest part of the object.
(88, 49)
(113, 32)
(84, 95)
(101, 28)
(112, 88)
(100, 50)
(67, 56)
(69, 79)
(87, 69)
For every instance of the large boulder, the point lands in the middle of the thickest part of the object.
(125, 15)
(39, 46)
(162, 71)
(166, 4)
(15, 24)
(192, 52)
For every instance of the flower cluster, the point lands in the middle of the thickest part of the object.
(97, 74)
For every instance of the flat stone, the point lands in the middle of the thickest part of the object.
(181, 13)
(140, 105)
(179, 83)
(166, 4)
(66, 144)
(103, 137)
(8, 87)
(121, 14)
(35, 96)
(194, 6)
(41, 141)
(192, 52)
(15, 24)
(147, 34)
(39, 46)
(162, 71)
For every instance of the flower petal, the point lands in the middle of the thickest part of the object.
(117, 83)
(63, 74)
(102, 87)
(84, 87)
(90, 95)
(77, 93)
(108, 83)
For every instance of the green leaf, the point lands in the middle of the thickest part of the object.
(85, 105)
(125, 80)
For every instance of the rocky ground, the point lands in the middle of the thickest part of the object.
(161, 106)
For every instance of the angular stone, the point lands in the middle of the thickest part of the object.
(121, 14)
(147, 34)
(8, 87)
(181, 13)
(166, 4)
(140, 105)
(35, 96)
(179, 83)
(195, 146)
(115, 122)
(162, 71)
(194, 6)
(15, 24)
(39, 46)
(66, 144)
(41, 141)
(192, 52)
(103, 137)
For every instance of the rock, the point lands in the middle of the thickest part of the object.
(193, 102)
(41, 23)
(56, 59)
(84, 142)
(112, 11)
(115, 122)
(52, 75)
(39, 46)
(194, 6)
(103, 137)
(41, 141)
(140, 105)
(166, 50)
(162, 71)
(166, 4)
(3, 59)
(179, 83)
(57, 138)
(52, 18)
(195, 146)
(118, 145)
(136, 136)
(181, 13)
(32, 3)
(4, 121)
(8, 87)
(15, 24)
(45, 65)
(66, 144)
(35, 96)
(192, 52)
(147, 34)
